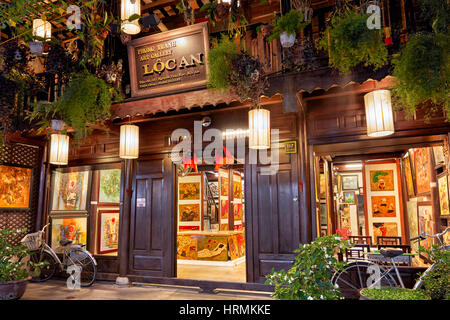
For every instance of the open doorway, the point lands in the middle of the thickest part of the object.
(211, 223)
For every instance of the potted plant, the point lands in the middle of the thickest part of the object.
(14, 271)
(309, 278)
(287, 26)
(217, 11)
(349, 42)
(220, 58)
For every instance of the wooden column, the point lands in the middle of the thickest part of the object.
(230, 200)
(124, 227)
(45, 172)
(331, 217)
(315, 214)
(434, 194)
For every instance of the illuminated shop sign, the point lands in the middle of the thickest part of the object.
(169, 62)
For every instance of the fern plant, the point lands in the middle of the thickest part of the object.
(291, 23)
(422, 72)
(220, 60)
(349, 43)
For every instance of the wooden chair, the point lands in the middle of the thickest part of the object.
(405, 247)
(357, 252)
(361, 240)
(389, 240)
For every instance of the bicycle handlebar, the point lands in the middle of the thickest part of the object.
(45, 227)
(423, 235)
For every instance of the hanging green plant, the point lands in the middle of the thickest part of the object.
(349, 43)
(291, 23)
(86, 100)
(220, 59)
(422, 72)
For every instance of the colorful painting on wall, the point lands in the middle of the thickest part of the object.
(344, 218)
(384, 229)
(443, 194)
(409, 177)
(413, 225)
(237, 208)
(349, 197)
(423, 170)
(322, 189)
(224, 209)
(15, 186)
(68, 228)
(189, 212)
(382, 180)
(237, 190)
(438, 152)
(426, 223)
(70, 191)
(109, 191)
(189, 191)
(108, 231)
(224, 186)
(383, 206)
(349, 182)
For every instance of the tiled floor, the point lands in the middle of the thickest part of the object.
(57, 290)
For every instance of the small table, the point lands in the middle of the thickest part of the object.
(377, 257)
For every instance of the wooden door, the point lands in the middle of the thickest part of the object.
(272, 215)
(152, 230)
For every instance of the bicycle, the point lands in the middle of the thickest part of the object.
(73, 255)
(360, 274)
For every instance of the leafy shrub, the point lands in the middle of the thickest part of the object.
(437, 282)
(393, 293)
(310, 276)
(422, 72)
(220, 59)
(291, 23)
(349, 43)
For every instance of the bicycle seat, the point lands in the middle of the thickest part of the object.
(65, 242)
(391, 253)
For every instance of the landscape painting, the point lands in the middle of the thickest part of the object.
(15, 186)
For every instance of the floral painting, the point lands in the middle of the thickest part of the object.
(15, 185)
(74, 229)
(423, 171)
(109, 186)
(382, 180)
(426, 224)
(409, 178)
(443, 195)
(383, 206)
(108, 231)
(70, 190)
(189, 191)
(384, 229)
(189, 212)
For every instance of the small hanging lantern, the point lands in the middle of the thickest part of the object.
(59, 149)
(259, 128)
(379, 115)
(42, 29)
(129, 142)
(128, 9)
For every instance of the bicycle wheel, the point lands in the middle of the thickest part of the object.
(88, 268)
(45, 272)
(355, 277)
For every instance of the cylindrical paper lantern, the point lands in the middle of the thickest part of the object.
(129, 8)
(129, 142)
(379, 115)
(259, 128)
(59, 149)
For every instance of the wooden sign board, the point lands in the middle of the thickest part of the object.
(169, 62)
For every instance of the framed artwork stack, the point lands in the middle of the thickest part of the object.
(190, 202)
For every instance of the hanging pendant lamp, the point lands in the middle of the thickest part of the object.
(129, 142)
(259, 128)
(379, 115)
(59, 149)
(128, 9)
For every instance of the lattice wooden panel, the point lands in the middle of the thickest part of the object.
(23, 155)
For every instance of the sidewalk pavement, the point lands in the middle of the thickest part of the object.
(101, 290)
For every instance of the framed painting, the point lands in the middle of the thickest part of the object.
(413, 225)
(384, 229)
(382, 180)
(438, 153)
(108, 231)
(72, 228)
(426, 223)
(189, 212)
(349, 197)
(189, 191)
(237, 210)
(70, 191)
(349, 182)
(15, 187)
(442, 181)
(423, 170)
(223, 186)
(408, 176)
(224, 209)
(383, 206)
(109, 187)
(322, 188)
(237, 190)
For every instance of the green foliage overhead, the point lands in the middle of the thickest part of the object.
(220, 61)
(291, 23)
(437, 14)
(422, 72)
(349, 43)
(86, 100)
(437, 282)
(393, 293)
(309, 278)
